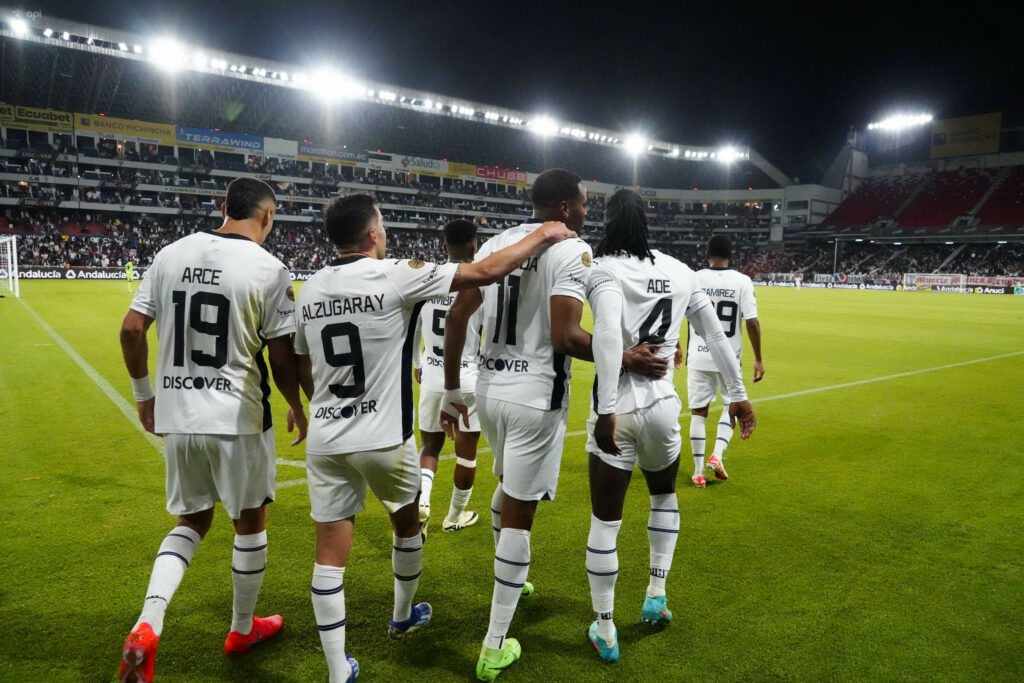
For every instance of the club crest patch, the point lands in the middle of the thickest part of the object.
(586, 259)
(416, 264)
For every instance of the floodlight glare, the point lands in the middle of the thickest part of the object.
(48, 32)
(137, 49)
(544, 125)
(19, 26)
(65, 35)
(331, 86)
(900, 122)
(727, 155)
(635, 145)
(166, 53)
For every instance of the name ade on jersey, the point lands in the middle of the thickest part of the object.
(333, 307)
(659, 287)
(200, 276)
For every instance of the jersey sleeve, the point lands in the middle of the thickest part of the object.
(418, 280)
(606, 303)
(601, 280)
(145, 297)
(570, 267)
(698, 300)
(417, 343)
(278, 317)
(748, 302)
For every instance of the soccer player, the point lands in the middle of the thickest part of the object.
(460, 244)
(531, 328)
(355, 340)
(129, 274)
(640, 295)
(218, 298)
(732, 293)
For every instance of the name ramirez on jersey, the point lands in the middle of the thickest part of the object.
(732, 294)
(356, 325)
(216, 299)
(517, 362)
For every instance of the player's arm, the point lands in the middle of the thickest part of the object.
(754, 332)
(284, 367)
(606, 304)
(502, 262)
(702, 317)
(135, 350)
(417, 350)
(455, 325)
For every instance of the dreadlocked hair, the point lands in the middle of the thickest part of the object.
(625, 231)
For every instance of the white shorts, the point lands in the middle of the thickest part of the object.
(337, 483)
(649, 437)
(527, 446)
(430, 411)
(701, 386)
(202, 469)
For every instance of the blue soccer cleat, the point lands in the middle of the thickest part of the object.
(419, 618)
(609, 654)
(655, 611)
(355, 670)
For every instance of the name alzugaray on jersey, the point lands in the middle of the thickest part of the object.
(359, 304)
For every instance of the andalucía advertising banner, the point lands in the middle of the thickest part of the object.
(61, 273)
(220, 142)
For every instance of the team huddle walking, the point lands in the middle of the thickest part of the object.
(500, 328)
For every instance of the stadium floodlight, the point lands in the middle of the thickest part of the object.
(137, 49)
(674, 152)
(900, 122)
(635, 145)
(65, 35)
(19, 26)
(48, 32)
(727, 155)
(122, 47)
(167, 53)
(544, 126)
(331, 86)
(300, 79)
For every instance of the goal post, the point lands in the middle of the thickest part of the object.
(934, 282)
(9, 265)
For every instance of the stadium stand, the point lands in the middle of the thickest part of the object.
(944, 197)
(1006, 205)
(876, 198)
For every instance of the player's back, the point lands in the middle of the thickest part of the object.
(517, 362)
(732, 294)
(432, 318)
(355, 321)
(215, 298)
(655, 299)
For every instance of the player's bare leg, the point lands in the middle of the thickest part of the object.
(407, 563)
(698, 441)
(722, 437)
(465, 473)
(432, 442)
(173, 558)
(333, 542)
(662, 533)
(248, 562)
(607, 493)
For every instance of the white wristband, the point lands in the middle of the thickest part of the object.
(449, 398)
(142, 390)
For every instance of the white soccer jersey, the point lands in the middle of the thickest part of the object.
(732, 293)
(655, 299)
(216, 298)
(432, 320)
(356, 323)
(517, 362)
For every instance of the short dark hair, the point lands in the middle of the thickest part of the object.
(720, 246)
(553, 186)
(626, 229)
(347, 218)
(244, 197)
(460, 232)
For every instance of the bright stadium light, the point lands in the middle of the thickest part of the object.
(19, 26)
(167, 54)
(727, 155)
(137, 49)
(901, 121)
(635, 145)
(674, 152)
(66, 35)
(544, 126)
(331, 86)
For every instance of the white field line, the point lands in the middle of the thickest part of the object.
(132, 415)
(830, 387)
(130, 412)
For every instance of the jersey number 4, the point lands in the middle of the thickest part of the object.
(662, 311)
(216, 328)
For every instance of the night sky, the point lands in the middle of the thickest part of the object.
(785, 78)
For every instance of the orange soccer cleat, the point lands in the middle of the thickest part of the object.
(262, 629)
(716, 466)
(138, 655)
(699, 481)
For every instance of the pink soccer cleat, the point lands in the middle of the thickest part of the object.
(699, 481)
(716, 466)
(262, 629)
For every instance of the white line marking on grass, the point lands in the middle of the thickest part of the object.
(130, 412)
(830, 387)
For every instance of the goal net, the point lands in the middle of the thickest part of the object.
(9, 266)
(934, 282)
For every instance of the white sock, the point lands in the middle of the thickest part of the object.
(460, 499)
(697, 441)
(172, 560)
(328, 591)
(662, 532)
(426, 483)
(511, 567)
(496, 500)
(724, 434)
(407, 562)
(248, 560)
(602, 570)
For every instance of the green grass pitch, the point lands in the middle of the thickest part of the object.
(867, 532)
